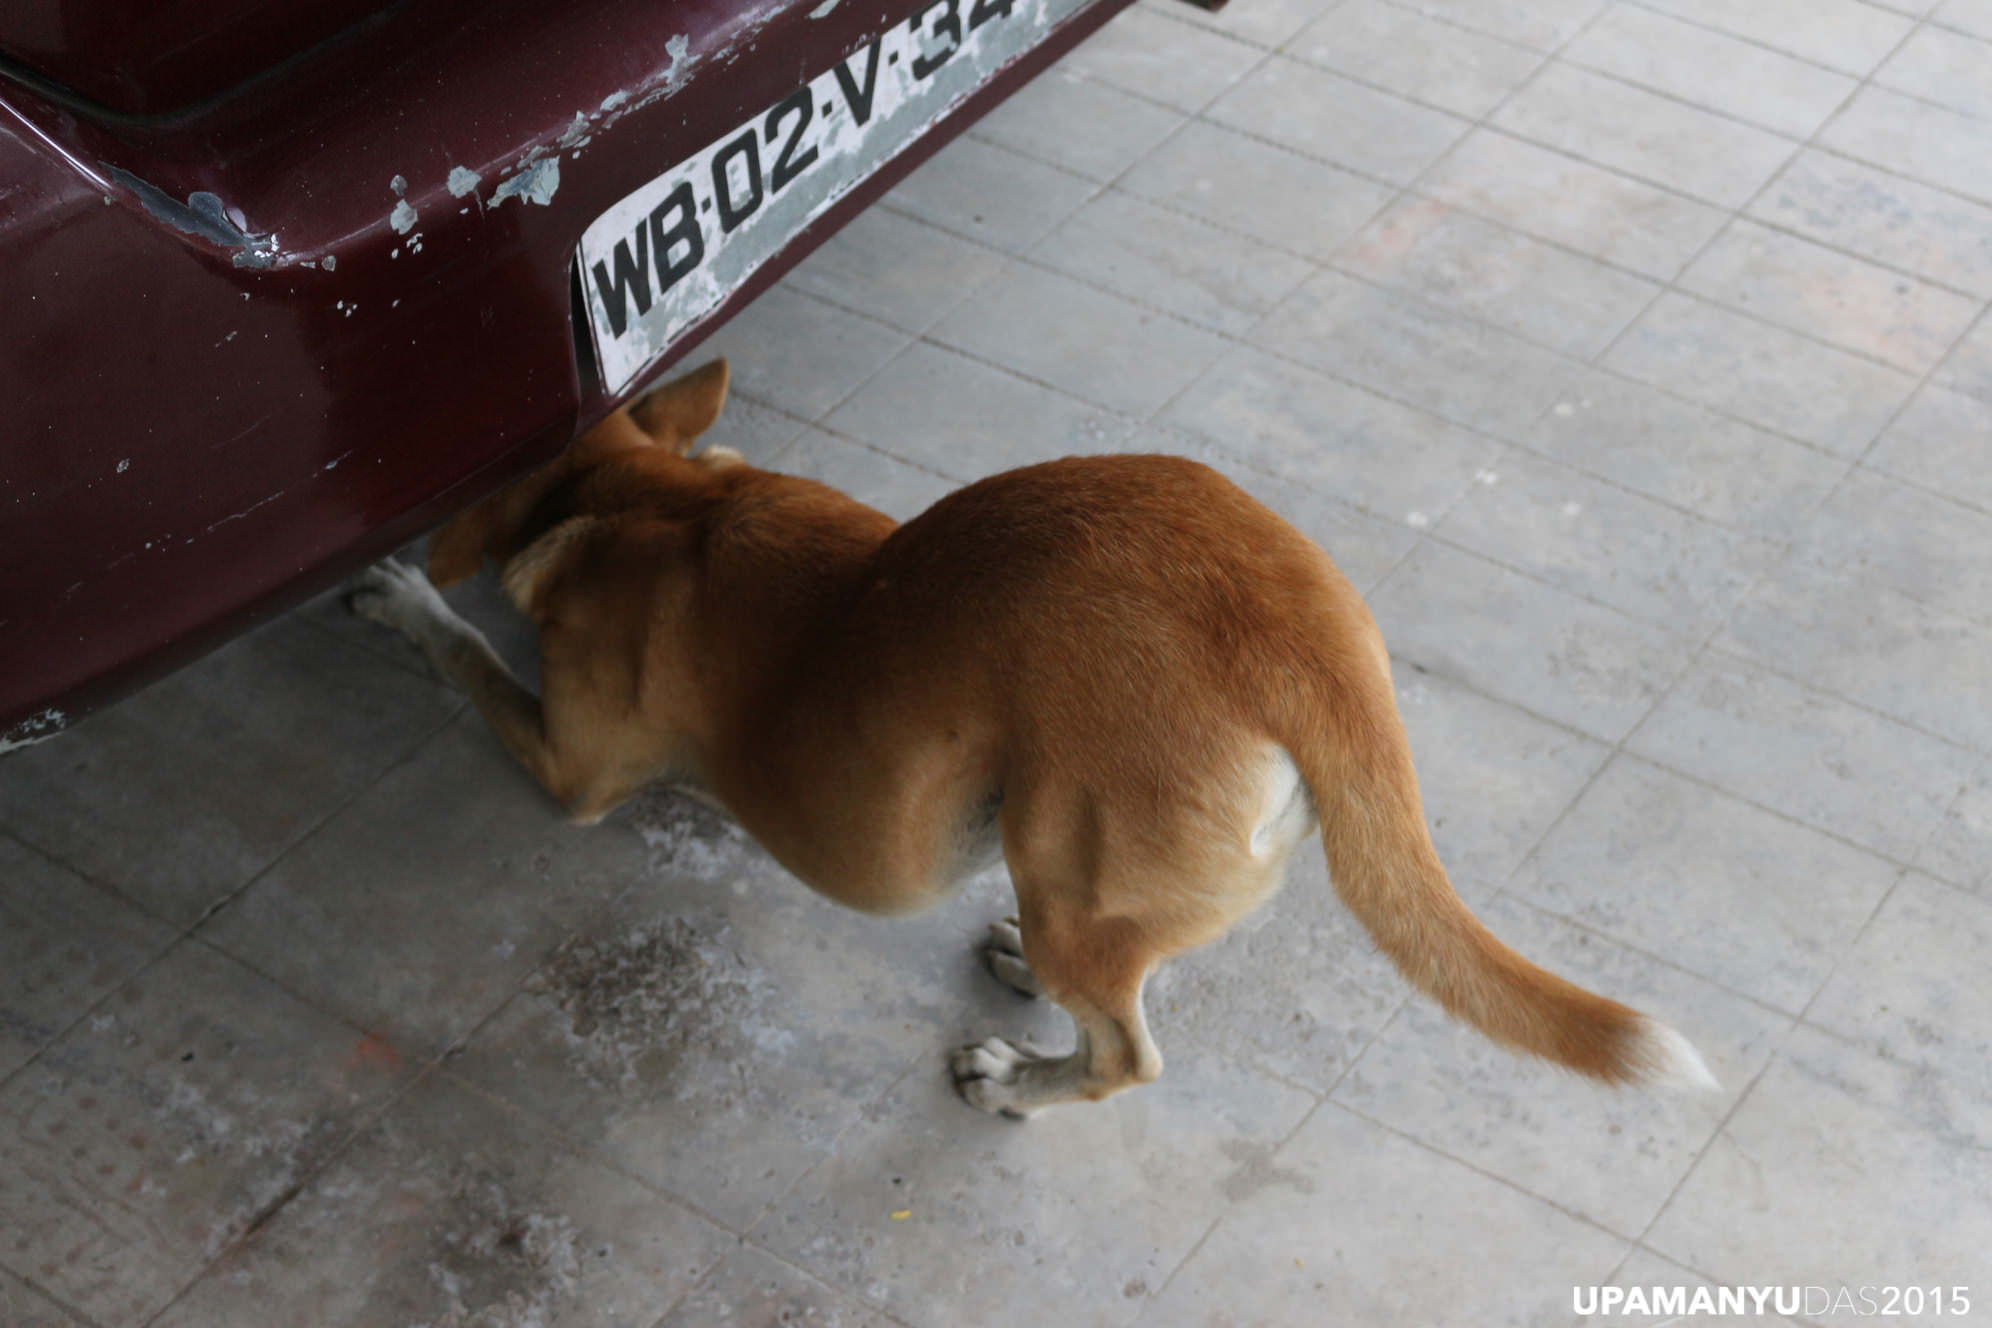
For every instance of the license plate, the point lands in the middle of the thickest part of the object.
(668, 254)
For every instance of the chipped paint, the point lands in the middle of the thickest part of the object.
(463, 181)
(575, 133)
(534, 184)
(403, 217)
(124, 465)
(39, 727)
(399, 184)
(331, 262)
(674, 73)
(609, 103)
(203, 214)
(823, 10)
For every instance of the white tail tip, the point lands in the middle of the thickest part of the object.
(1668, 1060)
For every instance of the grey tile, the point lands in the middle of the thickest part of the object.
(902, 272)
(1225, 178)
(1363, 547)
(1826, 294)
(1453, 366)
(1297, 989)
(22, 1307)
(64, 944)
(453, 1210)
(757, 432)
(1437, 63)
(1969, 368)
(1938, 441)
(1401, 464)
(998, 1214)
(1265, 26)
(961, 417)
(899, 490)
(1960, 848)
(1327, 116)
(1883, 217)
(1840, 1161)
(157, 1132)
(1494, 779)
(801, 354)
(1644, 134)
(1873, 646)
(1610, 1155)
(1542, 24)
(1631, 553)
(178, 795)
(1910, 988)
(1154, 55)
(1771, 377)
(1932, 143)
(418, 909)
(1171, 262)
(1738, 78)
(1455, 259)
(1571, 202)
(719, 1029)
(1356, 1225)
(1726, 470)
(1038, 121)
(1648, 858)
(1879, 531)
(1096, 346)
(990, 194)
(1842, 34)
(1515, 638)
(1939, 65)
(1972, 16)
(1813, 757)
(753, 1289)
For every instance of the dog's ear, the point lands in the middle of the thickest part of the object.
(678, 412)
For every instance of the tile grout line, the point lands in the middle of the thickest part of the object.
(186, 932)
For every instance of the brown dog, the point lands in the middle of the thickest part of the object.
(1128, 677)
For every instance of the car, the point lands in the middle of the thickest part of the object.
(289, 281)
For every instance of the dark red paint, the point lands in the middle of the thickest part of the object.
(188, 444)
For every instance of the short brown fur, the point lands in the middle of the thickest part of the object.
(1096, 661)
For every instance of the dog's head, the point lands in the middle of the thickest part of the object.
(670, 418)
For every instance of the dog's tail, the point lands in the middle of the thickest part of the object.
(1386, 870)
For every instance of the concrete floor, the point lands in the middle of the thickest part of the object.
(1630, 357)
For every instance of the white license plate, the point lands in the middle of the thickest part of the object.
(668, 254)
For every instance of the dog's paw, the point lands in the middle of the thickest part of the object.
(986, 1074)
(1004, 953)
(394, 595)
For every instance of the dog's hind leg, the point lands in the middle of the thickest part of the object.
(1095, 972)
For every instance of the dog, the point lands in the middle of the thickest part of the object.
(1125, 676)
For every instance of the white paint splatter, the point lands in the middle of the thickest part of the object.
(535, 184)
(124, 465)
(39, 727)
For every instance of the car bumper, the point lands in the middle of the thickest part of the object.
(255, 346)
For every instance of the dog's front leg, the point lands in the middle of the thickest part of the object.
(401, 597)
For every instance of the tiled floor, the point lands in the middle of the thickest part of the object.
(1632, 357)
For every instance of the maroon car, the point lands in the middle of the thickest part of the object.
(287, 281)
